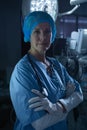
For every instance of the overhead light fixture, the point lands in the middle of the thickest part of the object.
(77, 5)
(76, 2)
(49, 6)
(69, 12)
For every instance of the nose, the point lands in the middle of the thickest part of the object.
(43, 36)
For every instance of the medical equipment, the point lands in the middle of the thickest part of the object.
(49, 6)
(40, 83)
(81, 46)
(43, 88)
(76, 2)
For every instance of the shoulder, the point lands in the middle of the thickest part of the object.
(23, 64)
(23, 67)
(22, 75)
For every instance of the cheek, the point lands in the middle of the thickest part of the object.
(49, 38)
(32, 38)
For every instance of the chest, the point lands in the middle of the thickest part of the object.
(53, 83)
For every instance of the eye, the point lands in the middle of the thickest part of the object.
(48, 32)
(37, 31)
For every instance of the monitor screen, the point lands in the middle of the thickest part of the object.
(81, 46)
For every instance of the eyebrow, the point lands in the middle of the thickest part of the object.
(37, 28)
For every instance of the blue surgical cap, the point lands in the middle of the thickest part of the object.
(35, 18)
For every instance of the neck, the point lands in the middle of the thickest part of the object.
(40, 57)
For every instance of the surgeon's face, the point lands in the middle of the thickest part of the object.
(41, 37)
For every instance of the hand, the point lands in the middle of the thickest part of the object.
(42, 103)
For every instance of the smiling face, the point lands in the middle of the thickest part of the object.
(41, 38)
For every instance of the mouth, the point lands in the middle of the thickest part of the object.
(43, 44)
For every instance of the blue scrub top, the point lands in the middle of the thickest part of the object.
(24, 79)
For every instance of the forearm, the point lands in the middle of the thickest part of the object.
(48, 120)
(72, 101)
(56, 112)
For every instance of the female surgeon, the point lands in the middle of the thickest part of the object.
(41, 90)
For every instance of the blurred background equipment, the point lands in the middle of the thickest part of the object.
(76, 2)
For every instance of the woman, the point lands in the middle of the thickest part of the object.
(42, 92)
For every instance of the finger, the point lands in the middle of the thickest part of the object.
(38, 93)
(35, 105)
(34, 99)
(39, 108)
